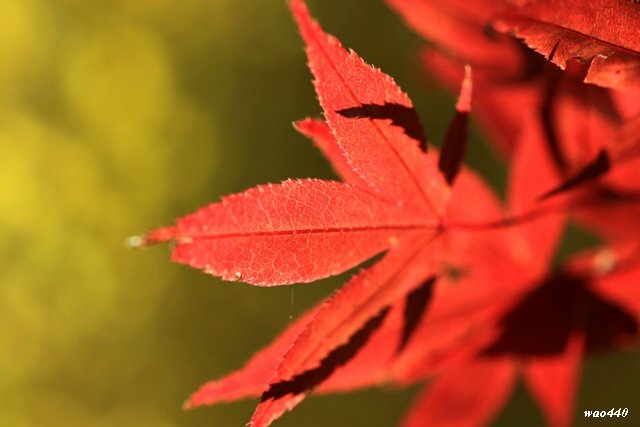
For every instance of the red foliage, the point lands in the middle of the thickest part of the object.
(603, 33)
(465, 293)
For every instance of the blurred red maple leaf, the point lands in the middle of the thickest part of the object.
(603, 33)
(541, 332)
(585, 128)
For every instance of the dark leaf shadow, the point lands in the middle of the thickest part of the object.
(414, 309)
(543, 322)
(610, 195)
(552, 87)
(401, 116)
(595, 169)
(340, 356)
(454, 147)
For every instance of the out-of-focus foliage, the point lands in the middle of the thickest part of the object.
(117, 116)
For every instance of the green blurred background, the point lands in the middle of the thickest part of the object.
(118, 116)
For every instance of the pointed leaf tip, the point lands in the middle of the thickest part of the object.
(299, 9)
(134, 242)
(464, 98)
(159, 235)
(188, 405)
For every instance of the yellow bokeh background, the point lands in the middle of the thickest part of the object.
(117, 116)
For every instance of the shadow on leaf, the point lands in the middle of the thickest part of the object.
(415, 306)
(542, 323)
(340, 356)
(401, 116)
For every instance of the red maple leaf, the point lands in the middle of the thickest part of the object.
(394, 199)
(458, 284)
(490, 323)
